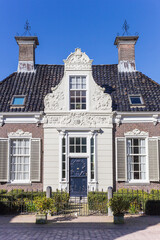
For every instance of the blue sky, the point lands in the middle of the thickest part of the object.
(92, 25)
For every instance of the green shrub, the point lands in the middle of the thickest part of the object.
(152, 207)
(44, 205)
(61, 200)
(98, 201)
(119, 205)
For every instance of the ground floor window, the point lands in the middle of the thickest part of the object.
(136, 158)
(63, 159)
(19, 159)
(92, 157)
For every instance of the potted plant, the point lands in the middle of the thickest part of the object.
(43, 207)
(119, 206)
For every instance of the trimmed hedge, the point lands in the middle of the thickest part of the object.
(17, 201)
(152, 207)
(97, 201)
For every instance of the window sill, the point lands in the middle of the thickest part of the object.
(19, 183)
(137, 184)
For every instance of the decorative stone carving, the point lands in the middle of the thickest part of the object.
(102, 101)
(77, 120)
(1, 120)
(78, 61)
(54, 101)
(118, 120)
(136, 132)
(19, 133)
(155, 119)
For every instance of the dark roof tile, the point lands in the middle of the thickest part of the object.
(36, 85)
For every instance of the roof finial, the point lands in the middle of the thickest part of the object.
(125, 28)
(27, 28)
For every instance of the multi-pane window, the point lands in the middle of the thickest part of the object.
(136, 158)
(77, 145)
(77, 92)
(92, 159)
(63, 159)
(19, 159)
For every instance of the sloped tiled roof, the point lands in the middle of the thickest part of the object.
(36, 85)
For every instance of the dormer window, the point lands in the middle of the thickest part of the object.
(77, 92)
(136, 100)
(18, 100)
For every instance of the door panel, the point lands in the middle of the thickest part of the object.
(78, 177)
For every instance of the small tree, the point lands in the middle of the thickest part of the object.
(119, 205)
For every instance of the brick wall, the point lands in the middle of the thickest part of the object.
(126, 52)
(26, 52)
(147, 127)
(119, 132)
(37, 132)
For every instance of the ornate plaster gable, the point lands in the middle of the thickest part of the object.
(54, 101)
(78, 61)
(136, 132)
(101, 101)
(19, 133)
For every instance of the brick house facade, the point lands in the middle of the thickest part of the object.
(79, 127)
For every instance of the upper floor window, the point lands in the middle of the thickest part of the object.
(134, 100)
(18, 100)
(77, 92)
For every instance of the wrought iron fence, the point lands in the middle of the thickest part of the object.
(138, 198)
(96, 203)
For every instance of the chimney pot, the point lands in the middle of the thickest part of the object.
(126, 53)
(27, 47)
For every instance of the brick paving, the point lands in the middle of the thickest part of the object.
(81, 228)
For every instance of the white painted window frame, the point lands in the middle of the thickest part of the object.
(9, 160)
(87, 91)
(136, 95)
(147, 163)
(86, 155)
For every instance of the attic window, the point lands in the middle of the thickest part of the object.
(136, 100)
(18, 100)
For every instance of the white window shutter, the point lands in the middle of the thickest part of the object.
(121, 162)
(153, 159)
(35, 167)
(3, 160)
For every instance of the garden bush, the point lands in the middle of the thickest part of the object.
(152, 207)
(61, 200)
(119, 205)
(98, 201)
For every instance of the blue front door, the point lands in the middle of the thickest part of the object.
(78, 177)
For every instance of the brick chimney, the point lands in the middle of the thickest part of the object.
(126, 53)
(27, 47)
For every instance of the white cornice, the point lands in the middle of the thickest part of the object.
(31, 117)
(142, 117)
(136, 113)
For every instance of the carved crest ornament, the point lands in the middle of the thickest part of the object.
(136, 132)
(78, 61)
(19, 133)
